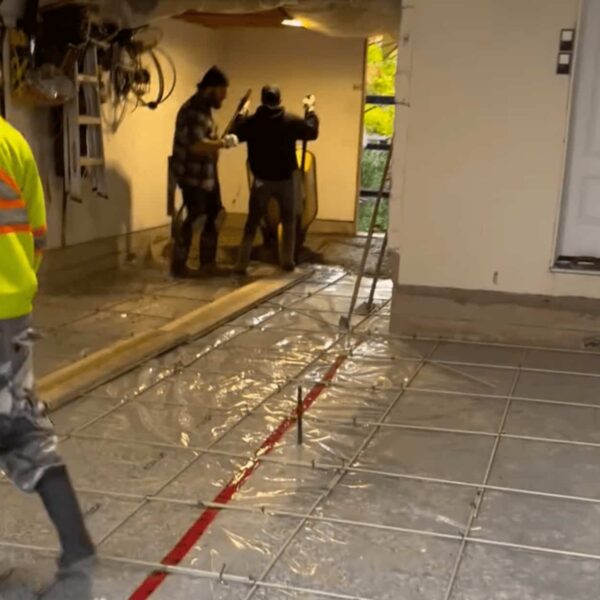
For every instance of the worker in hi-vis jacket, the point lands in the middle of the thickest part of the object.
(28, 454)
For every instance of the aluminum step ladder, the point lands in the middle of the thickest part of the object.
(82, 129)
(367, 307)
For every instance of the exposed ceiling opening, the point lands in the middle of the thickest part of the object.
(267, 18)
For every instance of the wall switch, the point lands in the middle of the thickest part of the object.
(567, 40)
(563, 66)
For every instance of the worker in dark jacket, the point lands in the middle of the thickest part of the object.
(194, 164)
(271, 134)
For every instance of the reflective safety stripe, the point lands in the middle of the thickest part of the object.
(4, 176)
(4, 204)
(7, 192)
(5, 229)
(39, 239)
(14, 216)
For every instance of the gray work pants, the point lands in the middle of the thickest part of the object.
(27, 440)
(285, 192)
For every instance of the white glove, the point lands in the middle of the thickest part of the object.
(309, 103)
(230, 140)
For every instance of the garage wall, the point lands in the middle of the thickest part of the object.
(479, 155)
(300, 62)
(136, 154)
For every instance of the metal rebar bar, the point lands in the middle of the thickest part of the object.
(327, 466)
(479, 495)
(193, 462)
(334, 482)
(300, 415)
(474, 486)
(197, 458)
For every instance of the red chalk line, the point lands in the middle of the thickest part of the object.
(190, 538)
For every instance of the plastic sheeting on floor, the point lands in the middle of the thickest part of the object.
(428, 470)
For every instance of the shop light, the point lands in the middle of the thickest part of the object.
(292, 23)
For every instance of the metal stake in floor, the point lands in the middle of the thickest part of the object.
(300, 415)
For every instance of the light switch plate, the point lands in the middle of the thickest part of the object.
(567, 40)
(563, 66)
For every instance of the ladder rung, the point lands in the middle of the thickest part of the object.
(88, 120)
(89, 161)
(83, 78)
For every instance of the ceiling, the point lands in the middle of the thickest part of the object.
(266, 18)
(342, 18)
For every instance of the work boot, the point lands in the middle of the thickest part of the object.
(73, 582)
(179, 271)
(75, 569)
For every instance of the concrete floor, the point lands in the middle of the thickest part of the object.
(429, 470)
(95, 312)
(91, 313)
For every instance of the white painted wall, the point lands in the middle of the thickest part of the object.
(479, 154)
(136, 154)
(300, 62)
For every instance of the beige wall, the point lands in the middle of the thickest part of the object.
(136, 154)
(300, 62)
(479, 154)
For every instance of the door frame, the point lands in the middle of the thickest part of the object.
(373, 100)
(562, 199)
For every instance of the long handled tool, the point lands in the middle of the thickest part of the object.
(237, 112)
(304, 195)
(304, 148)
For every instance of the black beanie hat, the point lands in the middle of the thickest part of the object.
(271, 95)
(214, 77)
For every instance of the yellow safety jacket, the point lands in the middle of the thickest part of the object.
(22, 224)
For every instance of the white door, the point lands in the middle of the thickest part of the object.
(580, 225)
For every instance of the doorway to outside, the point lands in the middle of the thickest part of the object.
(578, 245)
(378, 129)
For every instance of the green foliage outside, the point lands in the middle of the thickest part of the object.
(365, 214)
(372, 166)
(379, 123)
(381, 81)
